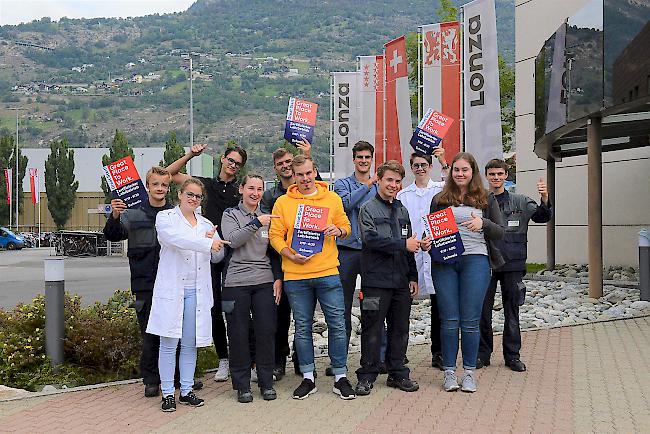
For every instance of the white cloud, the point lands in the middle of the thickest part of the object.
(17, 11)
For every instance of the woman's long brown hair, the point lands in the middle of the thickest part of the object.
(476, 193)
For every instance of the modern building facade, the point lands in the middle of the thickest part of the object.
(625, 168)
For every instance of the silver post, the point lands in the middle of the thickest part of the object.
(644, 265)
(54, 309)
(191, 105)
(420, 85)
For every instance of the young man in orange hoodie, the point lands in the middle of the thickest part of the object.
(315, 277)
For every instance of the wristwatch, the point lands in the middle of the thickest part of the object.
(445, 167)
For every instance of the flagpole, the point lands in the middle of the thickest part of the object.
(331, 126)
(419, 42)
(461, 25)
(383, 139)
(39, 211)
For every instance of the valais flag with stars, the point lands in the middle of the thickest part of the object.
(372, 104)
(398, 104)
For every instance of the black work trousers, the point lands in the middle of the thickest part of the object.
(239, 303)
(150, 343)
(510, 295)
(282, 331)
(394, 307)
(218, 325)
(349, 269)
(435, 326)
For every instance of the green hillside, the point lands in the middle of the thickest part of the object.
(84, 78)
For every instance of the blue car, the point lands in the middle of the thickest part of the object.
(9, 240)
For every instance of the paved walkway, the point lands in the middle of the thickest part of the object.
(589, 378)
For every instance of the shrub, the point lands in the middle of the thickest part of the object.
(102, 343)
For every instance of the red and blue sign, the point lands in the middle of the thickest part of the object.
(308, 237)
(446, 245)
(301, 120)
(125, 183)
(430, 131)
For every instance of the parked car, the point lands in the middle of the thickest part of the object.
(9, 240)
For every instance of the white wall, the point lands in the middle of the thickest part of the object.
(88, 165)
(626, 179)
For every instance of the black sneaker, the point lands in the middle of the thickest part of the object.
(244, 396)
(306, 388)
(404, 384)
(168, 403)
(198, 385)
(516, 365)
(151, 390)
(382, 368)
(482, 363)
(344, 389)
(269, 394)
(436, 361)
(363, 388)
(191, 399)
(279, 372)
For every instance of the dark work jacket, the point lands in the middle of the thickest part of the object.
(517, 211)
(493, 228)
(138, 225)
(384, 228)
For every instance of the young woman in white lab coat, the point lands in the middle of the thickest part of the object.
(182, 293)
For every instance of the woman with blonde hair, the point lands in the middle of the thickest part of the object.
(182, 293)
(461, 285)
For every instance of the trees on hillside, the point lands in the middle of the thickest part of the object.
(119, 149)
(60, 184)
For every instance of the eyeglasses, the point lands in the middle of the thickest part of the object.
(191, 195)
(417, 166)
(231, 162)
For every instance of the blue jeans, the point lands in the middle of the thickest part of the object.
(187, 358)
(302, 295)
(460, 289)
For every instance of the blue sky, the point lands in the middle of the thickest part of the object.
(17, 11)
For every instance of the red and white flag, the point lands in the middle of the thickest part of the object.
(441, 77)
(398, 104)
(371, 109)
(481, 76)
(34, 185)
(8, 178)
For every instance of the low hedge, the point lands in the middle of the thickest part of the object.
(102, 343)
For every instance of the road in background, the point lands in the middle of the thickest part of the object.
(94, 278)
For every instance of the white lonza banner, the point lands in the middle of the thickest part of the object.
(346, 126)
(481, 75)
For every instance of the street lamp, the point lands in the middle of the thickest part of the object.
(188, 57)
(16, 109)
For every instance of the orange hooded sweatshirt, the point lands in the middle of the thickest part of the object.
(321, 264)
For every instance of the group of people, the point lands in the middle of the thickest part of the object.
(226, 248)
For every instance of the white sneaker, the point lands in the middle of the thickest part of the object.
(254, 375)
(223, 372)
(450, 381)
(468, 382)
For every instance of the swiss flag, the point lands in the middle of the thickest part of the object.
(396, 65)
(398, 104)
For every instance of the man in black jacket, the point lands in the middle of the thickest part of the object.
(388, 281)
(517, 211)
(138, 225)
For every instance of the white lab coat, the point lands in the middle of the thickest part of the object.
(178, 239)
(418, 203)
